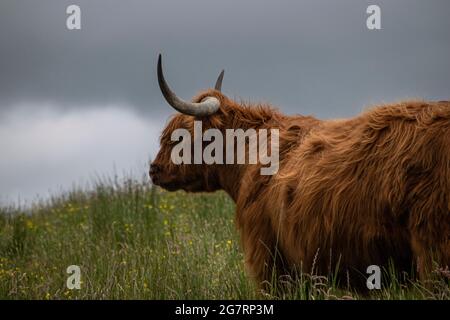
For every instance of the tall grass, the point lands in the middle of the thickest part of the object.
(133, 241)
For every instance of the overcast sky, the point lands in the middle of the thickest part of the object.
(78, 103)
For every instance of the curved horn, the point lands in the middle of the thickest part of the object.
(218, 85)
(207, 107)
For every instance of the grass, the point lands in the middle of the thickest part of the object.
(133, 241)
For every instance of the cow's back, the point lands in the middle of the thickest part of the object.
(356, 189)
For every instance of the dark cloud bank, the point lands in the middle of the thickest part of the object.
(309, 57)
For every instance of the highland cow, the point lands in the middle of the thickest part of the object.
(369, 190)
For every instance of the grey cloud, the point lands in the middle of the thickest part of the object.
(47, 150)
(304, 56)
(309, 57)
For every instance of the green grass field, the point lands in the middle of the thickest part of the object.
(133, 241)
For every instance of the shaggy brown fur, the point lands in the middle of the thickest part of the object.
(351, 192)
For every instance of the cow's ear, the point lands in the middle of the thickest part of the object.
(292, 135)
(295, 128)
(213, 121)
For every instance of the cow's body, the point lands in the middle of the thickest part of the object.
(353, 193)
(348, 194)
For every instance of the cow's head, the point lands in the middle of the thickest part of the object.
(207, 107)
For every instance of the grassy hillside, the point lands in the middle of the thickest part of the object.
(133, 241)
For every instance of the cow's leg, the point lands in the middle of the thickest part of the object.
(422, 255)
(431, 250)
(429, 218)
(263, 260)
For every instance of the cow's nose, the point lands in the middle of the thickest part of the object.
(154, 169)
